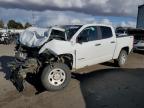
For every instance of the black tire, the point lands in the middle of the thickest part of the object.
(49, 71)
(120, 61)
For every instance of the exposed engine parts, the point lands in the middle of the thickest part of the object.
(27, 60)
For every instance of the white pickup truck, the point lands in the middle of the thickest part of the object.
(62, 50)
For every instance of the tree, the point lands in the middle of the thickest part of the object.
(14, 25)
(27, 24)
(11, 24)
(1, 24)
(19, 26)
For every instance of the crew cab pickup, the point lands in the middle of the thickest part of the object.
(65, 49)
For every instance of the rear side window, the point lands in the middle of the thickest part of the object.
(106, 32)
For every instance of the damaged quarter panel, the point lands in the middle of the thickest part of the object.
(58, 47)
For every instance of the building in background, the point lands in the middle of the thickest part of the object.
(140, 17)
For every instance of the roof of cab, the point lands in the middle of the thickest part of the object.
(92, 24)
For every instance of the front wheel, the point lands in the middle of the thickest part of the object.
(56, 77)
(121, 61)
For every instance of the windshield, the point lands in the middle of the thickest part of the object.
(71, 30)
(57, 34)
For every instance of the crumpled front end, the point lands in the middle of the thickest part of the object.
(26, 61)
(34, 37)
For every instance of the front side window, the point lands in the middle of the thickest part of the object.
(88, 34)
(106, 32)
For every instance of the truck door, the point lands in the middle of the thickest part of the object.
(108, 43)
(87, 47)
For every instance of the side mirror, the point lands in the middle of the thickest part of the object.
(82, 39)
(79, 40)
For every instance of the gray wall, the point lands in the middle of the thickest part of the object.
(140, 18)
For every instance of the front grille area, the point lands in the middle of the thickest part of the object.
(31, 52)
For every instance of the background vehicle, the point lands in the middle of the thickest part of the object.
(138, 39)
(6, 38)
(64, 50)
(137, 33)
(121, 31)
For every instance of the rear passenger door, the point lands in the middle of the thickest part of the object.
(108, 43)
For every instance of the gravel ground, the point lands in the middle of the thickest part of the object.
(99, 86)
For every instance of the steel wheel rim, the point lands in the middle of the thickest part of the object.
(56, 77)
(123, 59)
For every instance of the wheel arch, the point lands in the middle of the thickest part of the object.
(117, 52)
(67, 59)
(126, 49)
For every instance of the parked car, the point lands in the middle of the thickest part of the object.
(58, 51)
(121, 31)
(5, 38)
(139, 43)
(139, 40)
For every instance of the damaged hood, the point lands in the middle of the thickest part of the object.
(34, 37)
(58, 47)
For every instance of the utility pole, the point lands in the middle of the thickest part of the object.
(33, 19)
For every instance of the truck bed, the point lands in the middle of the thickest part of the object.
(123, 41)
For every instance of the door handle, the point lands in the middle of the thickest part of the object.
(112, 41)
(81, 58)
(97, 44)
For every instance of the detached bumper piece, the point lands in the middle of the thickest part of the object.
(20, 70)
(17, 80)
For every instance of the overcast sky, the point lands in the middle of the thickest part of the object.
(53, 12)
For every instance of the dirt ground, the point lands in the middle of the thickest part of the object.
(99, 86)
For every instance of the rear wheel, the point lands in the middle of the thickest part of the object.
(121, 61)
(56, 77)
